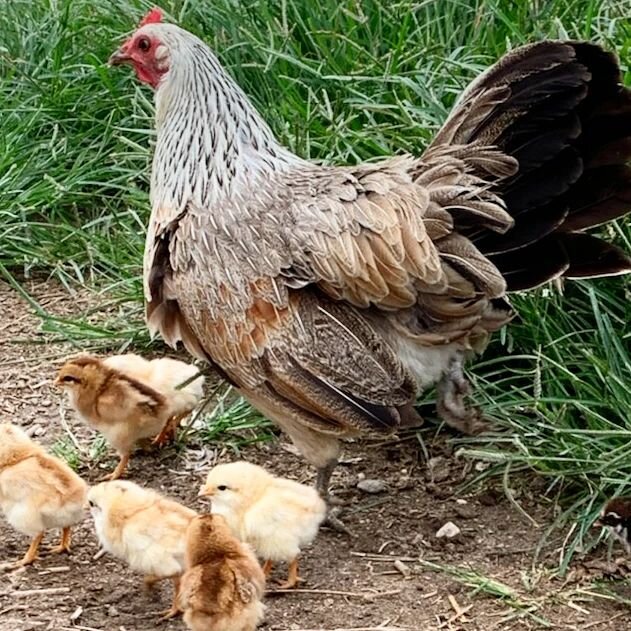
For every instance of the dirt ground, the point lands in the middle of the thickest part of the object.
(383, 578)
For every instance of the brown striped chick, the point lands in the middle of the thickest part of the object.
(38, 492)
(144, 529)
(165, 375)
(123, 409)
(276, 516)
(223, 584)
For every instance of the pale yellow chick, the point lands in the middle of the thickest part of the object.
(38, 492)
(164, 374)
(223, 584)
(276, 516)
(143, 528)
(125, 410)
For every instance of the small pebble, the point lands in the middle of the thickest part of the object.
(448, 530)
(372, 486)
(466, 511)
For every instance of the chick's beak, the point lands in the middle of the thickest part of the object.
(121, 56)
(204, 492)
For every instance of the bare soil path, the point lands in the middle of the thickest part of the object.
(381, 579)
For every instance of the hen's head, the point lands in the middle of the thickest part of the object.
(148, 49)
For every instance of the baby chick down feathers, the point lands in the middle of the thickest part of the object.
(276, 516)
(142, 528)
(128, 398)
(223, 585)
(38, 492)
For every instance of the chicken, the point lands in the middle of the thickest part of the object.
(38, 492)
(616, 517)
(329, 297)
(144, 529)
(277, 517)
(166, 375)
(128, 398)
(223, 584)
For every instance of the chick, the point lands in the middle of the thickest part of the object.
(616, 517)
(144, 529)
(277, 517)
(223, 584)
(125, 410)
(38, 492)
(166, 375)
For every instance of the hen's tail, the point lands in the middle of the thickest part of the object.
(560, 109)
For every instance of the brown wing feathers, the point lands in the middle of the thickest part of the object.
(567, 121)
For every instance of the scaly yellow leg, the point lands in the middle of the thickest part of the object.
(31, 553)
(292, 576)
(64, 544)
(121, 467)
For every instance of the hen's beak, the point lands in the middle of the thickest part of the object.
(119, 57)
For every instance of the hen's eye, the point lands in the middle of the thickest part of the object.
(222, 487)
(144, 44)
(69, 379)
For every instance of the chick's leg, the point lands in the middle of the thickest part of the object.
(64, 544)
(121, 467)
(267, 568)
(168, 432)
(31, 553)
(292, 576)
(175, 606)
(452, 389)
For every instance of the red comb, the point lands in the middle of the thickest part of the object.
(155, 15)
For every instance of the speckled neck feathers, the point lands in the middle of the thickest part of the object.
(211, 140)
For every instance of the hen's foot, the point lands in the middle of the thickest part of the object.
(452, 389)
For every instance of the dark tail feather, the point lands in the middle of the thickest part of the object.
(566, 118)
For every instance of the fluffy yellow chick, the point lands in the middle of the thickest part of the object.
(38, 492)
(276, 516)
(143, 528)
(125, 410)
(164, 374)
(223, 584)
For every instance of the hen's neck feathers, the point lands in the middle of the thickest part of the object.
(212, 143)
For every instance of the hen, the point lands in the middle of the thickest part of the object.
(330, 296)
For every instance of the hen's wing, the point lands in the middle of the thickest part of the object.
(281, 289)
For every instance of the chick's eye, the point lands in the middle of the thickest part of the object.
(144, 44)
(68, 379)
(91, 503)
(222, 487)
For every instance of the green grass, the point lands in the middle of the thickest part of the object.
(340, 81)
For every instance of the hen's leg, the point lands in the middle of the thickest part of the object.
(31, 553)
(452, 389)
(322, 486)
(292, 576)
(64, 544)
